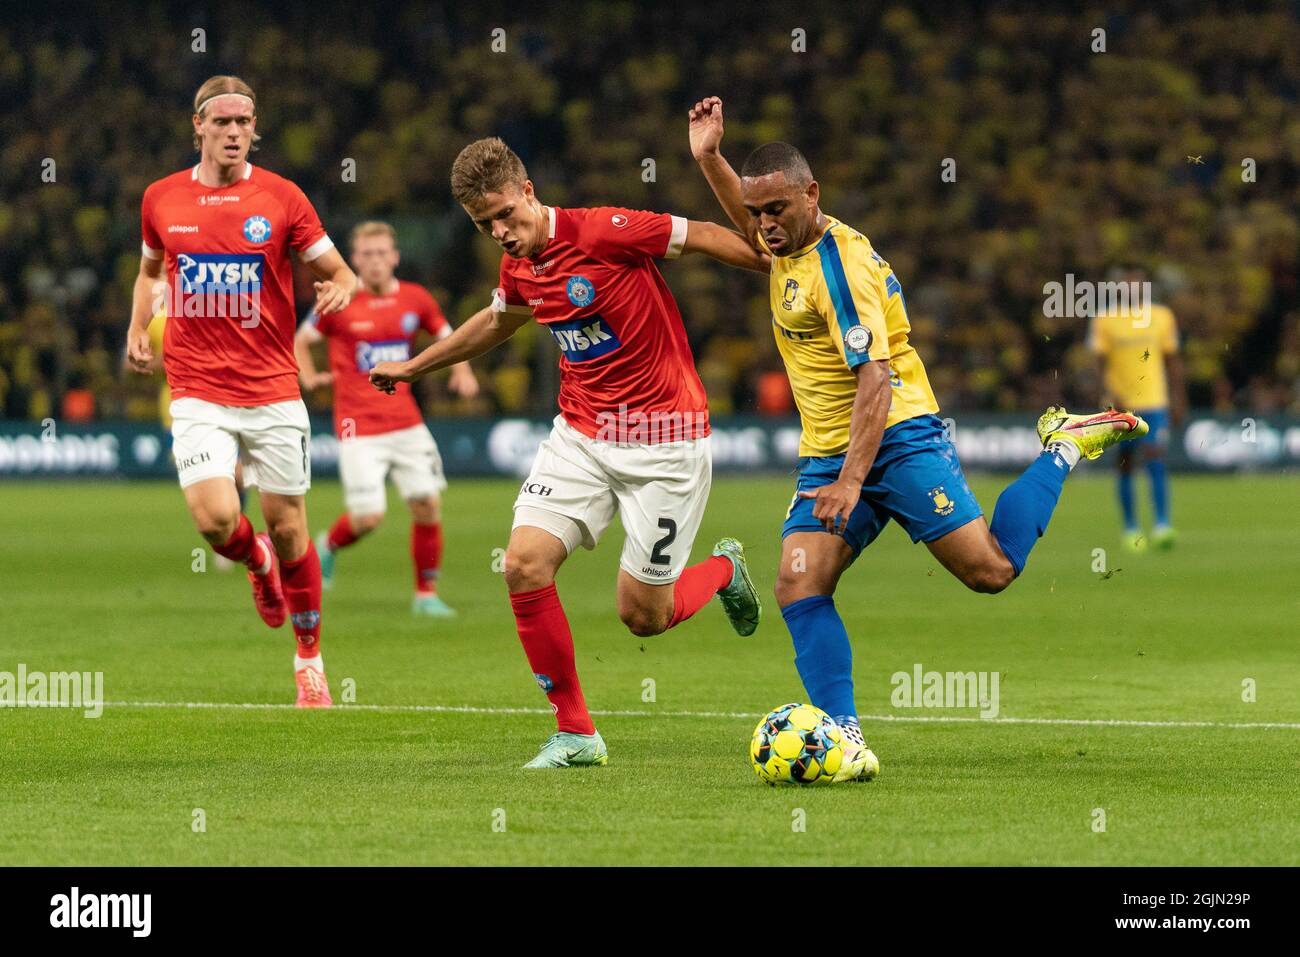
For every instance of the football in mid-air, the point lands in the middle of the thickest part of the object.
(796, 744)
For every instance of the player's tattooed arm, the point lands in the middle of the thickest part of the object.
(336, 284)
(484, 330)
(835, 502)
(139, 351)
(706, 143)
(725, 245)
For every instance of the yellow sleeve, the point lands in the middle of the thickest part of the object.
(855, 294)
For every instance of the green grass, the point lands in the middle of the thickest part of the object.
(98, 577)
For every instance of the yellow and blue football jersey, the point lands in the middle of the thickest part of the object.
(1133, 345)
(835, 305)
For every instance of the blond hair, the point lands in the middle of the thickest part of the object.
(219, 86)
(372, 227)
(485, 166)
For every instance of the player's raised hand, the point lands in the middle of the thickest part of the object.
(834, 503)
(706, 126)
(386, 375)
(330, 297)
(139, 352)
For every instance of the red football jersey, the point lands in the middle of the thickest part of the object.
(626, 370)
(374, 329)
(230, 307)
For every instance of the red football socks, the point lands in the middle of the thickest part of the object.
(300, 580)
(548, 643)
(698, 584)
(243, 546)
(426, 555)
(341, 534)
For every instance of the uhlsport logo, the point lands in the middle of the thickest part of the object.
(580, 290)
(370, 354)
(75, 909)
(257, 229)
(619, 220)
(584, 339)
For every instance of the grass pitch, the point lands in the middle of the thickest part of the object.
(98, 577)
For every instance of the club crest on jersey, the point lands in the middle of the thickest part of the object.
(370, 354)
(257, 229)
(857, 339)
(410, 322)
(584, 339)
(943, 505)
(581, 291)
(791, 294)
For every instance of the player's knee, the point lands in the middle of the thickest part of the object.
(216, 526)
(288, 534)
(991, 578)
(791, 587)
(526, 570)
(365, 524)
(643, 622)
(425, 511)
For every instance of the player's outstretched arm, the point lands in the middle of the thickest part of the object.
(836, 502)
(484, 330)
(706, 143)
(725, 245)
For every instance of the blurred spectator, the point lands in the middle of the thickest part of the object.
(1066, 161)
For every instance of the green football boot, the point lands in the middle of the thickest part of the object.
(327, 555)
(431, 606)
(1091, 434)
(740, 598)
(565, 749)
(1163, 537)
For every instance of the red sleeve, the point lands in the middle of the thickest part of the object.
(506, 297)
(609, 232)
(306, 234)
(432, 320)
(148, 229)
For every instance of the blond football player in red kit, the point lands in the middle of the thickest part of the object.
(217, 241)
(379, 438)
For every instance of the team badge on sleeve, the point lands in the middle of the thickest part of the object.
(257, 229)
(858, 339)
(581, 291)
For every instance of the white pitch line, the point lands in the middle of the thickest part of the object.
(933, 719)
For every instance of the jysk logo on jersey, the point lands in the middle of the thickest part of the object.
(219, 272)
(257, 229)
(581, 291)
(370, 354)
(584, 339)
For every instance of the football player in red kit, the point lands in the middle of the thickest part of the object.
(216, 244)
(380, 438)
(632, 436)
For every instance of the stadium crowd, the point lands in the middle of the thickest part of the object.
(1176, 149)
